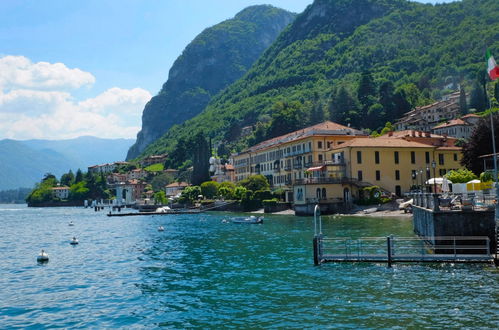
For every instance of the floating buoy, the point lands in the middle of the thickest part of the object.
(160, 228)
(71, 223)
(225, 221)
(74, 241)
(42, 257)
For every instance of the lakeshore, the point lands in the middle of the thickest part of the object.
(201, 272)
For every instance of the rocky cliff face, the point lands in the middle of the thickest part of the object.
(213, 60)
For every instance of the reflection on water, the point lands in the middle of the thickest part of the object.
(201, 272)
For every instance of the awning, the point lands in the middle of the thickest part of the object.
(317, 168)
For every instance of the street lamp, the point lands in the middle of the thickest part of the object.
(413, 175)
(421, 175)
(427, 175)
(434, 165)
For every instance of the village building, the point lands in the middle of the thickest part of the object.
(154, 159)
(426, 117)
(137, 174)
(285, 159)
(174, 189)
(61, 192)
(461, 128)
(394, 162)
(105, 168)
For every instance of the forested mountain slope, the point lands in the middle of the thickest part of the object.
(361, 62)
(214, 59)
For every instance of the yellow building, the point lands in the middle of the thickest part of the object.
(394, 162)
(284, 160)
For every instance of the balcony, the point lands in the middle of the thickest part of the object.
(324, 180)
(287, 167)
(297, 166)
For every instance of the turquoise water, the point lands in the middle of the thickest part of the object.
(202, 273)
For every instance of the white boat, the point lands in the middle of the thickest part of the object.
(160, 228)
(42, 257)
(250, 219)
(163, 209)
(74, 241)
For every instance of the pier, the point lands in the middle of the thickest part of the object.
(390, 250)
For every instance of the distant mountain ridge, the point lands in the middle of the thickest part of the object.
(23, 163)
(333, 42)
(213, 60)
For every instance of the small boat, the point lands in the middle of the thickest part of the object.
(74, 241)
(42, 257)
(371, 210)
(164, 209)
(160, 228)
(250, 219)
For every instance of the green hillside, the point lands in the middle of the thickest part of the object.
(362, 62)
(217, 57)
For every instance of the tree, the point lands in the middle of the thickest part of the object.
(463, 105)
(366, 92)
(317, 111)
(387, 99)
(79, 191)
(255, 182)
(342, 107)
(160, 198)
(209, 189)
(160, 181)
(286, 117)
(496, 91)
(480, 143)
(190, 194)
(477, 97)
(79, 176)
(200, 159)
(461, 175)
(226, 192)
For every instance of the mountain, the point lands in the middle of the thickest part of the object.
(415, 50)
(22, 163)
(213, 60)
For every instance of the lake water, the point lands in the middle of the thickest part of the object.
(202, 273)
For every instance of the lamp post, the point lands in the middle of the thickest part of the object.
(413, 175)
(428, 176)
(421, 175)
(434, 165)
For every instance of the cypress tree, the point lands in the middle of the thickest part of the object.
(200, 159)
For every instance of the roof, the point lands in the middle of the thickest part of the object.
(471, 115)
(381, 142)
(409, 133)
(450, 148)
(453, 122)
(229, 167)
(60, 188)
(325, 128)
(178, 185)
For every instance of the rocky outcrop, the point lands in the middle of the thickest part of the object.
(213, 60)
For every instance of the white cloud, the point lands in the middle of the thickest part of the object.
(18, 72)
(35, 103)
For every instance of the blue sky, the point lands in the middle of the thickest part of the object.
(113, 56)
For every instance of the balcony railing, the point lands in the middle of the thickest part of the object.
(326, 163)
(324, 180)
(297, 166)
(287, 167)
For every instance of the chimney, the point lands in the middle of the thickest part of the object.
(390, 133)
(413, 133)
(420, 134)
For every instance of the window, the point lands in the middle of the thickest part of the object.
(396, 156)
(455, 157)
(319, 144)
(359, 175)
(440, 159)
(427, 157)
(376, 157)
(441, 171)
(324, 196)
(318, 193)
(320, 158)
(413, 157)
(398, 191)
(309, 146)
(378, 175)
(359, 157)
(397, 175)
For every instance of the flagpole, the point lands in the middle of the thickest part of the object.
(496, 213)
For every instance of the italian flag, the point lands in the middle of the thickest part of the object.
(492, 67)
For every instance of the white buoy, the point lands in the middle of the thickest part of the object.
(160, 228)
(42, 257)
(71, 223)
(74, 241)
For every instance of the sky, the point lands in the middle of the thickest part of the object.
(75, 68)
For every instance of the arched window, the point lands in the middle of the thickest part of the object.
(324, 193)
(318, 193)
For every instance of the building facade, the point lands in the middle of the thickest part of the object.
(461, 128)
(284, 160)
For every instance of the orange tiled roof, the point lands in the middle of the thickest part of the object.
(381, 142)
(471, 115)
(453, 122)
(177, 184)
(325, 128)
